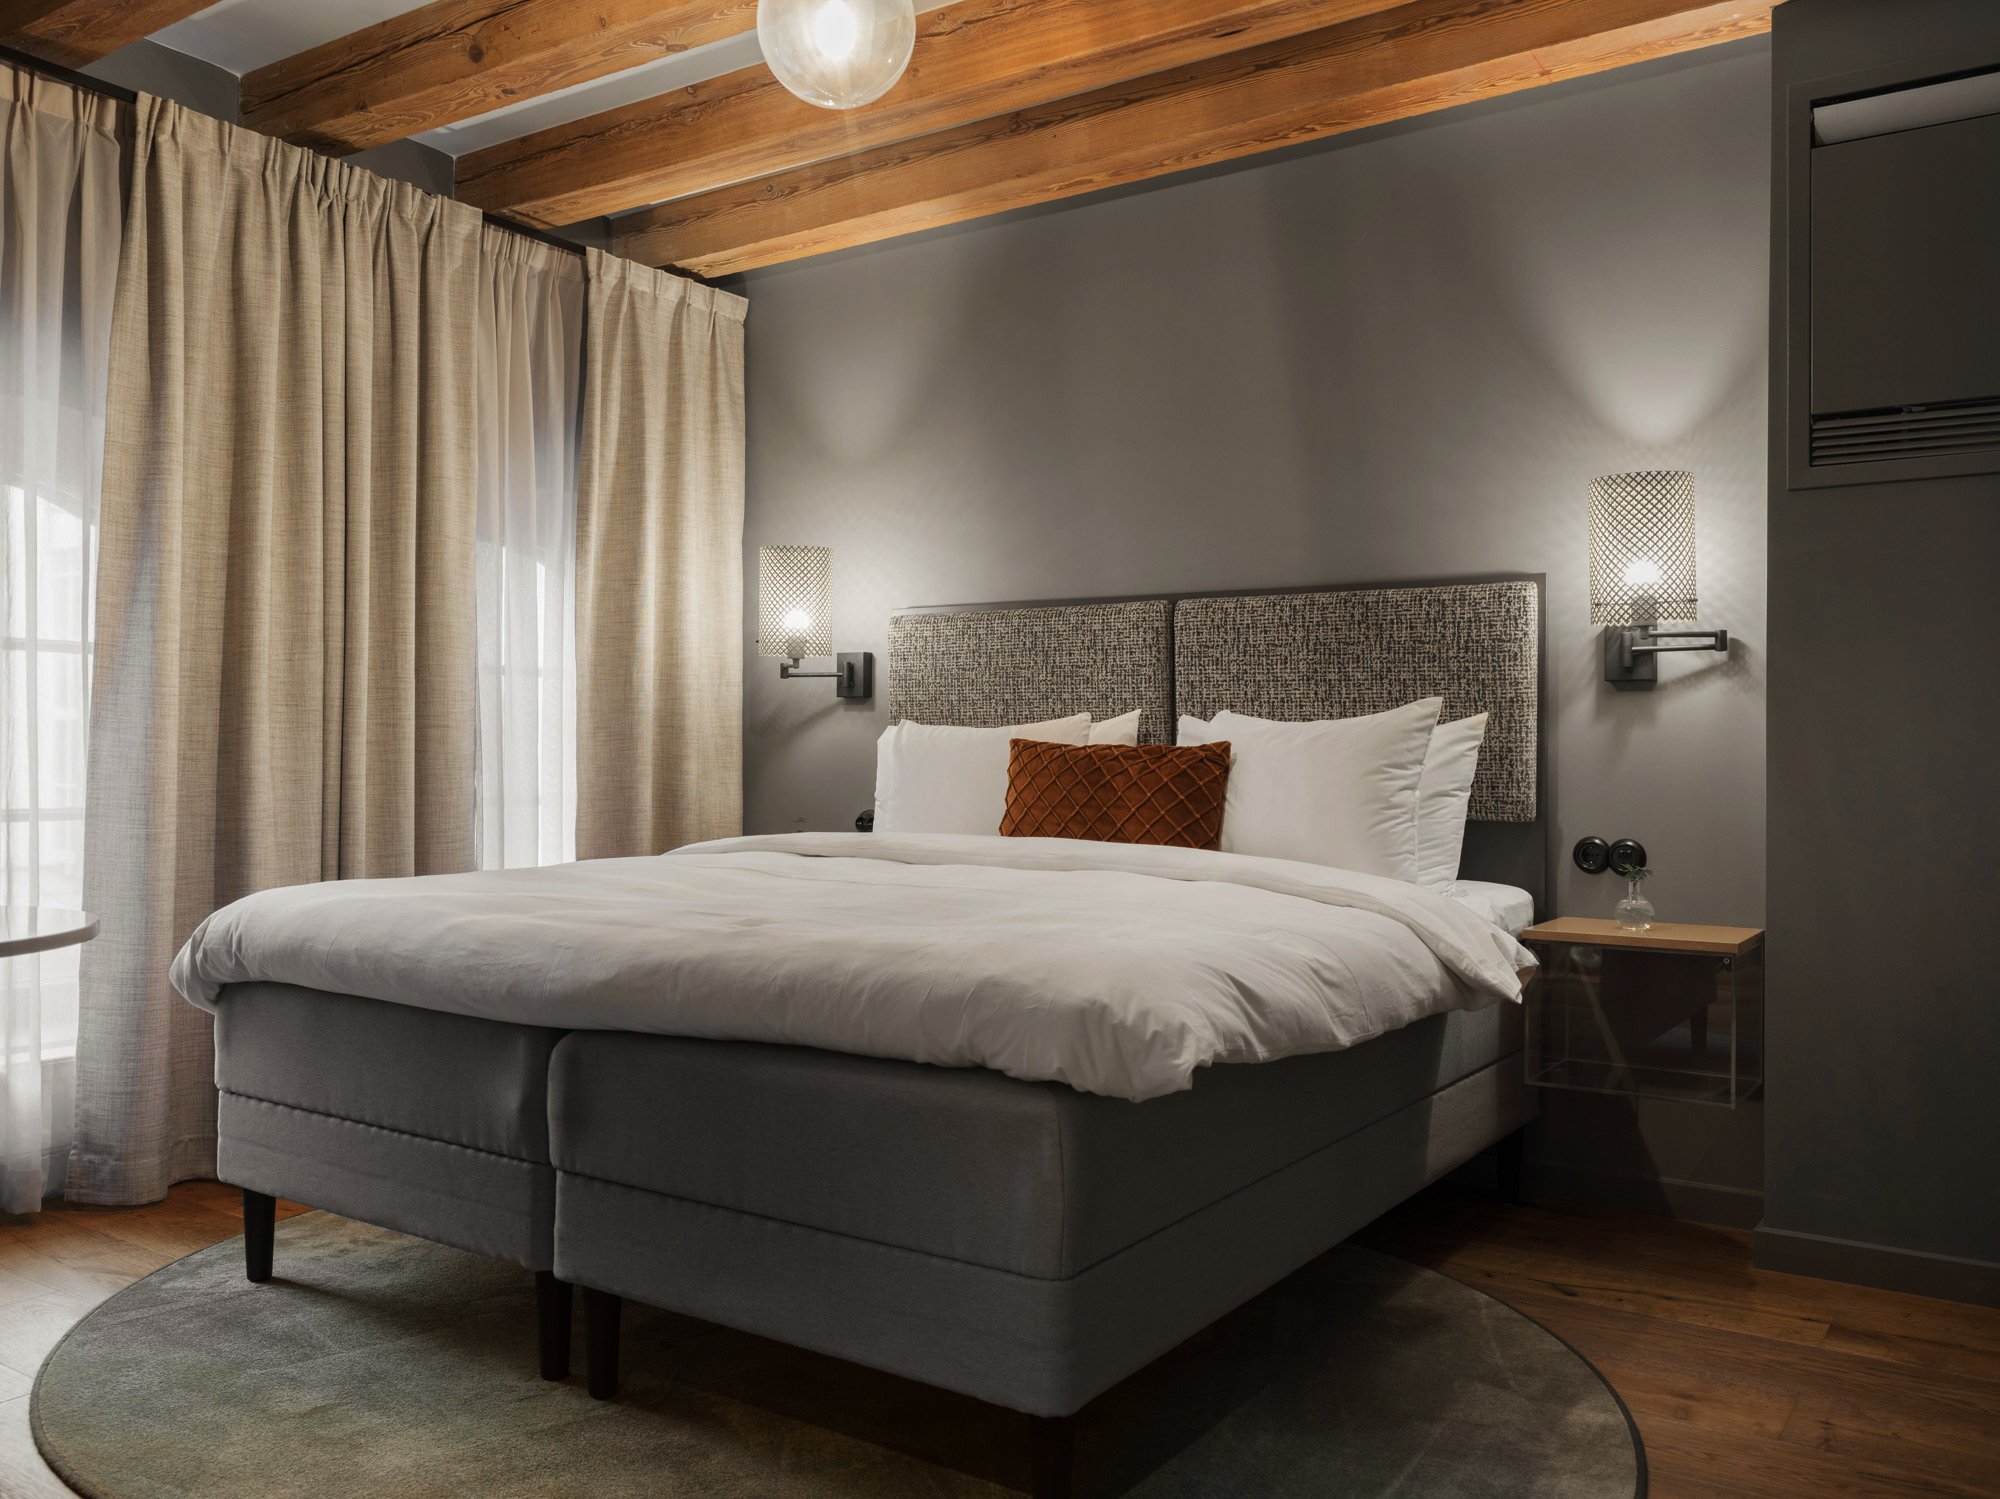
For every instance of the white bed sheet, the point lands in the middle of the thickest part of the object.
(1508, 907)
(1116, 968)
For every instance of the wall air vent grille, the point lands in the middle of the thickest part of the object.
(1913, 432)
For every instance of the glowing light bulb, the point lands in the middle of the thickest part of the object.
(838, 54)
(1641, 572)
(836, 30)
(798, 622)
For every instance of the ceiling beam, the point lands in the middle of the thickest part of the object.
(76, 33)
(454, 59)
(973, 60)
(1424, 56)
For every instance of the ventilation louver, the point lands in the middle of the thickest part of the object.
(1913, 432)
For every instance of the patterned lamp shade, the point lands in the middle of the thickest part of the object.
(1642, 548)
(794, 602)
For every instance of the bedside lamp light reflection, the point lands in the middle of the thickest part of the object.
(798, 629)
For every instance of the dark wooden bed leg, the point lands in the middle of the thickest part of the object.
(1052, 1449)
(1507, 1157)
(552, 1324)
(260, 1227)
(600, 1340)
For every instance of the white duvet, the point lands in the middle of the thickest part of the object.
(1116, 968)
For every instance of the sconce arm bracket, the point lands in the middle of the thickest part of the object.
(853, 674)
(1631, 656)
(1709, 640)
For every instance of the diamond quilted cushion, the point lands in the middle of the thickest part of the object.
(1117, 793)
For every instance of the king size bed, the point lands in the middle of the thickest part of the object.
(1013, 1116)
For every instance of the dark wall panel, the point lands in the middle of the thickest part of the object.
(1884, 1000)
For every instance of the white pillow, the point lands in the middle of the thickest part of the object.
(933, 778)
(1335, 791)
(1444, 794)
(1124, 729)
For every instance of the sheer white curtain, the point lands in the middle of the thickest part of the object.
(60, 222)
(531, 301)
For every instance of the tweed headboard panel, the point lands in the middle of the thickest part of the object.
(987, 667)
(1311, 653)
(1343, 652)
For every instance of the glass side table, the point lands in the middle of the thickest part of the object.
(1675, 1011)
(33, 929)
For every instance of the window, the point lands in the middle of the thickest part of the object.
(44, 733)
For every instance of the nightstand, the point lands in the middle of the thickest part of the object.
(1675, 1011)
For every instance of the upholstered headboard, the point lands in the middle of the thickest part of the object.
(1338, 653)
(1306, 653)
(1023, 664)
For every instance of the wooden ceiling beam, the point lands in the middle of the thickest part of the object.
(1421, 57)
(76, 33)
(973, 60)
(454, 59)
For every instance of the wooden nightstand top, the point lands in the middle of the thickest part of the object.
(1661, 936)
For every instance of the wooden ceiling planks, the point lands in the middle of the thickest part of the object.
(76, 33)
(454, 59)
(974, 60)
(1007, 103)
(1420, 57)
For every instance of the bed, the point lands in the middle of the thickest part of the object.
(1008, 1237)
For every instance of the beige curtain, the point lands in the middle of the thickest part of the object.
(659, 618)
(62, 163)
(285, 665)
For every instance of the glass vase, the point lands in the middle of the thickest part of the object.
(1635, 912)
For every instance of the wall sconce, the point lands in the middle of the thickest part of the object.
(1642, 572)
(795, 619)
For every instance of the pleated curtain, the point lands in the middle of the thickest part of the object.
(285, 657)
(659, 616)
(421, 548)
(61, 213)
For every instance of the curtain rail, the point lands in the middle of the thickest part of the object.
(125, 95)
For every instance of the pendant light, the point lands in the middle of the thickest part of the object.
(838, 54)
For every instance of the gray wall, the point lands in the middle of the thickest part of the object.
(153, 69)
(1399, 354)
(1884, 1002)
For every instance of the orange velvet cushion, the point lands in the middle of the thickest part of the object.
(1117, 793)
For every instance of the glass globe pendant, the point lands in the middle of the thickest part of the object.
(838, 54)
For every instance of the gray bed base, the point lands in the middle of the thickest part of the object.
(434, 1125)
(1039, 1344)
(1030, 1246)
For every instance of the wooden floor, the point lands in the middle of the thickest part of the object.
(1743, 1382)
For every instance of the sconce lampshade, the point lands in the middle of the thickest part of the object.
(1642, 548)
(794, 602)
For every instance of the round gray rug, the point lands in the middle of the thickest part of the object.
(383, 1365)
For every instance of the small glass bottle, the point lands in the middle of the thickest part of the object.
(1635, 912)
